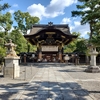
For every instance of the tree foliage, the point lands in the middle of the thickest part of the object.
(25, 20)
(4, 6)
(77, 46)
(20, 41)
(6, 22)
(71, 46)
(5, 19)
(89, 11)
(81, 46)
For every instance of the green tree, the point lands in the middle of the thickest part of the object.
(96, 42)
(1, 42)
(4, 6)
(6, 22)
(5, 19)
(2, 54)
(24, 21)
(81, 46)
(91, 15)
(20, 41)
(78, 45)
(72, 46)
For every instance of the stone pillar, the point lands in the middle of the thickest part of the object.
(60, 56)
(24, 58)
(76, 59)
(11, 68)
(92, 67)
(60, 52)
(39, 53)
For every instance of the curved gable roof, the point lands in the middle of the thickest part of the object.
(58, 32)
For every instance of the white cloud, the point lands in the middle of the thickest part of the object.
(15, 5)
(36, 10)
(65, 20)
(75, 26)
(11, 11)
(54, 9)
(77, 23)
(71, 27)
(83, 29)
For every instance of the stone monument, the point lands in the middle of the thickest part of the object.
(11, 68)
(93, 67)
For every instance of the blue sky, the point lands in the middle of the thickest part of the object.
(56, 11)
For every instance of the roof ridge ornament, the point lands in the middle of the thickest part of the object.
(50, 23)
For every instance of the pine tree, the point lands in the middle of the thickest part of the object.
(89, 11)
(4, 6)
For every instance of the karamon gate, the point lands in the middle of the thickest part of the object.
(50, 39)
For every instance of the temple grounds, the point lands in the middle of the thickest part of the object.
(51, 81)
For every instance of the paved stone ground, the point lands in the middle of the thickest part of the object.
(51, 82)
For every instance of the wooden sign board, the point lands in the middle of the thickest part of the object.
(49, 48)
(50, 32)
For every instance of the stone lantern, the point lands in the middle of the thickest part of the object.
(11, 68)
(93, 53)
(66, 58)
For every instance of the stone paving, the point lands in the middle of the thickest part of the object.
(52, 82)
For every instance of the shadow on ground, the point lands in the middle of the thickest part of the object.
(46, 89)
(7, 91)
(71, 70)
(55, 91)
